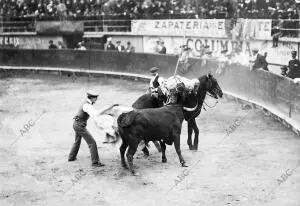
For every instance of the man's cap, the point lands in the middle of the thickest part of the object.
(254, 49)
(118, 41)
(294, 52)
(154, 69)
(92, 93)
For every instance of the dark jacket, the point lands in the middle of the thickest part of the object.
(260, 62)
(163, 50)
(294, 69)
(110, 47)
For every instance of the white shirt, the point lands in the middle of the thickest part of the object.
(88, 108)
(253, 58)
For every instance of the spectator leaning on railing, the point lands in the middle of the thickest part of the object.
(129, 48)
(258, 61)
(294, 67)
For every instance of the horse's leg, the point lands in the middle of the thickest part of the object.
(190, 132)
(131, 151)
(145, 150)
(157, 145)
(163, 149)
(196, 131)
(123, 148)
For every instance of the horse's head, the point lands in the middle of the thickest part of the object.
(212, 87)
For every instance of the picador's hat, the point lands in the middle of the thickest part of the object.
(92, 93)
(154, 69)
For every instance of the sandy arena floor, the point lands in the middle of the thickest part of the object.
(246, 167)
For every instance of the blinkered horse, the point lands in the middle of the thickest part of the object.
(208, 84)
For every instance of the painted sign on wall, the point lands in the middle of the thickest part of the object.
(180, 27)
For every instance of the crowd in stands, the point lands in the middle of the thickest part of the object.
(151, 8)
(284, 13)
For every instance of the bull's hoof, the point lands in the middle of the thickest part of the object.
(164, 160)
(134, 173)
(125, 166)
(191, 147)
(183, 164)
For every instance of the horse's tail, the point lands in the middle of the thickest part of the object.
(126, 119)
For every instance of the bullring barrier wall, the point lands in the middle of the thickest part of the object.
(271, 92)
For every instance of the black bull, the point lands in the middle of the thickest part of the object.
(154, 124)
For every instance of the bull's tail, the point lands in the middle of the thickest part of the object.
(126, 119)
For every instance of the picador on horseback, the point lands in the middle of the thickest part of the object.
(166, 90)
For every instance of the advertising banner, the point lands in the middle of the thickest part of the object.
(180, 27)
(29, 42)
(279, 55)
(250, 29)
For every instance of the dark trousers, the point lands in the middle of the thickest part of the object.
(81, 132)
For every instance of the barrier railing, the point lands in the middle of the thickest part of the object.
(283, 27)
(273, 92)
(286, 27)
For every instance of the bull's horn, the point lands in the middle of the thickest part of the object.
(190, 109)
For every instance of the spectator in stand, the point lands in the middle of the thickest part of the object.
(52, 45)
(276, 31)
(110, 46)
(294, 67)
(163, 49)
(258, 61)
(80, 46)
(120, 48)
(60, 45)
(70, 8)
(62, 10)
(157, 46)
(129, 48)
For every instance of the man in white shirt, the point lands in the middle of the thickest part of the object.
(120, 47)
(80, 122)
(156, 82)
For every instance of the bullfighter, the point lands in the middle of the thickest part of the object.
(80, 122)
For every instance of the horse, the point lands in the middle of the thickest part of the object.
(208, 84)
